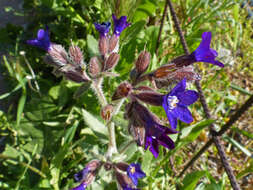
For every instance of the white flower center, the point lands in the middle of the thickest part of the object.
(172, 102)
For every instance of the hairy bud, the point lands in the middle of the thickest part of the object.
(137, 131)
(76, 54)
(123, 90)
(113, 43)
(58, 54)
(184, 60)
(122, 166)
(74, 74)
(94, 67)
(164, 71)
(106, 112)
(150, 97)
(142, 62)
(90, 168)
(111, 61)
(123, 180)
(103, 45)
(48, 59)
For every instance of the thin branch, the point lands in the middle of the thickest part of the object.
(161, 27)
(224, 128)
(216, 139)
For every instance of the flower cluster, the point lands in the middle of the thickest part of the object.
(147, 130)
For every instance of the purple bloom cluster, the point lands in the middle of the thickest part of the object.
(119, 25)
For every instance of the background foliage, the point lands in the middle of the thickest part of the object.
(46, 135)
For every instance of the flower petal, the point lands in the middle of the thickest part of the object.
(154, 148)
(41, 34)
(172, 119)
(183, 113)
(166, 141)
(188, 97)
(179, 88)
(206, 40)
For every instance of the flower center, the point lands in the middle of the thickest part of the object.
(172, 102)
(132, 170)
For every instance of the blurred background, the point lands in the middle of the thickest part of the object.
(44, 140)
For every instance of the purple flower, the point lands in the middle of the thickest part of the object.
(134, 172)
(42, 41)
(103, 28)
(119, 24)
(80, 187)
(156, 135)
(204, 53)
(175, 104)
(81, 174)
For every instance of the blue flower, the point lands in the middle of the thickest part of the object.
(134, 172)
(103, 28)
(119, 24)
(156, 135)
(80, 187)
(204, 53)
(175, 104)
(42, 41)
(81, 174)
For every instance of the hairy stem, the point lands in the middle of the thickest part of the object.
(112, 147)
(97, 87)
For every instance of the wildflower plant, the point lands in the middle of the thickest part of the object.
(134, 96)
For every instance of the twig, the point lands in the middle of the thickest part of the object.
(161, 26)
(224, 128)
(216, 139)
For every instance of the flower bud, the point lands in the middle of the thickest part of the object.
(111, 61)
(150, 97)
(184, 60)
(106, 112)
(113, 43)
(124, 181)
(94, 67)
(142, 62)
(122, 166)
(123, 90)
(76, 54)
(144, 88)
(90, 168)
(103, 45)
(137, 131)
(58, 54)
(48, 59)
(164, 71)
(75, 75)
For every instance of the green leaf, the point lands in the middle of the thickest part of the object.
(132, 31)
(241, 90)
(190, 133)
(21, 105)
(238, 145)
(92, 44)
(190, 181)
(97, 127)
(9, 93)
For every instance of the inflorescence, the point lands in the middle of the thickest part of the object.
(146, 128)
